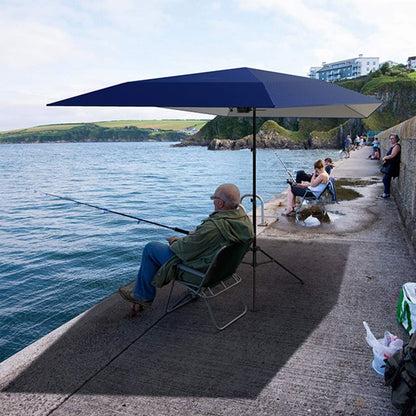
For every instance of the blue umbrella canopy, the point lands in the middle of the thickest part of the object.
(234, 92)
(240, 92)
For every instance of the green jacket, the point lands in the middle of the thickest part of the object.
(197, 250)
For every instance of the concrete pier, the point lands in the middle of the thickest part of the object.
(302, 351)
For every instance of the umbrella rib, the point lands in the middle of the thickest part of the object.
(359, 115)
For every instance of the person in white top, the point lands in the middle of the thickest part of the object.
(317, 184)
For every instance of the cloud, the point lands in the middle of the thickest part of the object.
(332, 31)
(53, 49)
(29, 44)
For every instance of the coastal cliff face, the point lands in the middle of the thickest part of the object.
(398, 102)
(309, 134)
(264, 140)
(269, 137)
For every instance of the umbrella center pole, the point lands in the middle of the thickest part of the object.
(254, 209)
(255, 248)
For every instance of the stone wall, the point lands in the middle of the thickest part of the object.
(404, 188)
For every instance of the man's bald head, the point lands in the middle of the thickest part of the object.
(230, 194)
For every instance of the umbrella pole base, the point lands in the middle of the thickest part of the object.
(273, 260)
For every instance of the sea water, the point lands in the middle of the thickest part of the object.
(58, 258)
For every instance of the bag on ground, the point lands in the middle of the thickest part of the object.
(382, 348)
(400, 374)
(406, 308)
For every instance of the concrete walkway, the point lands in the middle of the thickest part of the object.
(301, 352)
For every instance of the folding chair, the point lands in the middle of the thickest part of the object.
(327, 195)
(220, 277)
(332, 190)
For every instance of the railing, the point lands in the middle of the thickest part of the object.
(262, 224)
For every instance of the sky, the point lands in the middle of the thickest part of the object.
(55, 49)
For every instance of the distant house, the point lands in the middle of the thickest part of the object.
(390, 63)
(313, 72)
(348, 68)
(411, 62)
(189, 130)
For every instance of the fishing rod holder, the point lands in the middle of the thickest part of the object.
(262, 224)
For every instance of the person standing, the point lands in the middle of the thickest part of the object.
(357, 142)
(347, 146)
(392, 161)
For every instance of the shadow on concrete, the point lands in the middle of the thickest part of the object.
(181, 354)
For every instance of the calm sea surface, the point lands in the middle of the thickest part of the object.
(58, 258)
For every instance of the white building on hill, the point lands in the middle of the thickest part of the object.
(411, 62)
(348, 68)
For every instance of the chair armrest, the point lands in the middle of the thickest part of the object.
(190, 270)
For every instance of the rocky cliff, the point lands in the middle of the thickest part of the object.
(269, 138)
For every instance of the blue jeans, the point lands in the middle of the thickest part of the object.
(154, 255)
(387, 183)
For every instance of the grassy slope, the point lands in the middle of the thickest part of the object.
(174, 125)
(155, 124)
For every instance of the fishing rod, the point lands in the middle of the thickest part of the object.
(281, 161)
(139, 220)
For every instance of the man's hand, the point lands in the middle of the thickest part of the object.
(170, 240)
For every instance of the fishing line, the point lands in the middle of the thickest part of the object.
(139, 220)
(281, 161)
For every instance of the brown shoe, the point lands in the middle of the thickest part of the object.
(126, 292)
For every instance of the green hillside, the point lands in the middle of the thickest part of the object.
(121, 130)
(174, 125)
(395, 88)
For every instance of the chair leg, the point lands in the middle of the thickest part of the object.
(300, 205)
(183, 301)
(169, 296)
(214, 321)
(322, 208)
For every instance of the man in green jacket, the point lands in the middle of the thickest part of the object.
(227, 225)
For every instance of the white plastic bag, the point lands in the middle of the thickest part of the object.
(382, 348)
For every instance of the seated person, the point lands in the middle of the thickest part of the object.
(303, 176)
(376, 145)
(317, 184)
(375, 156)
(227, 225)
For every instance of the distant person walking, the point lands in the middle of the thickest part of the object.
(347, 146)
(357, 142)
(392, 162)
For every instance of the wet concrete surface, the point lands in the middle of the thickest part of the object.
(353, 211)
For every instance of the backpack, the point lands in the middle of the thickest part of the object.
(400, 374)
